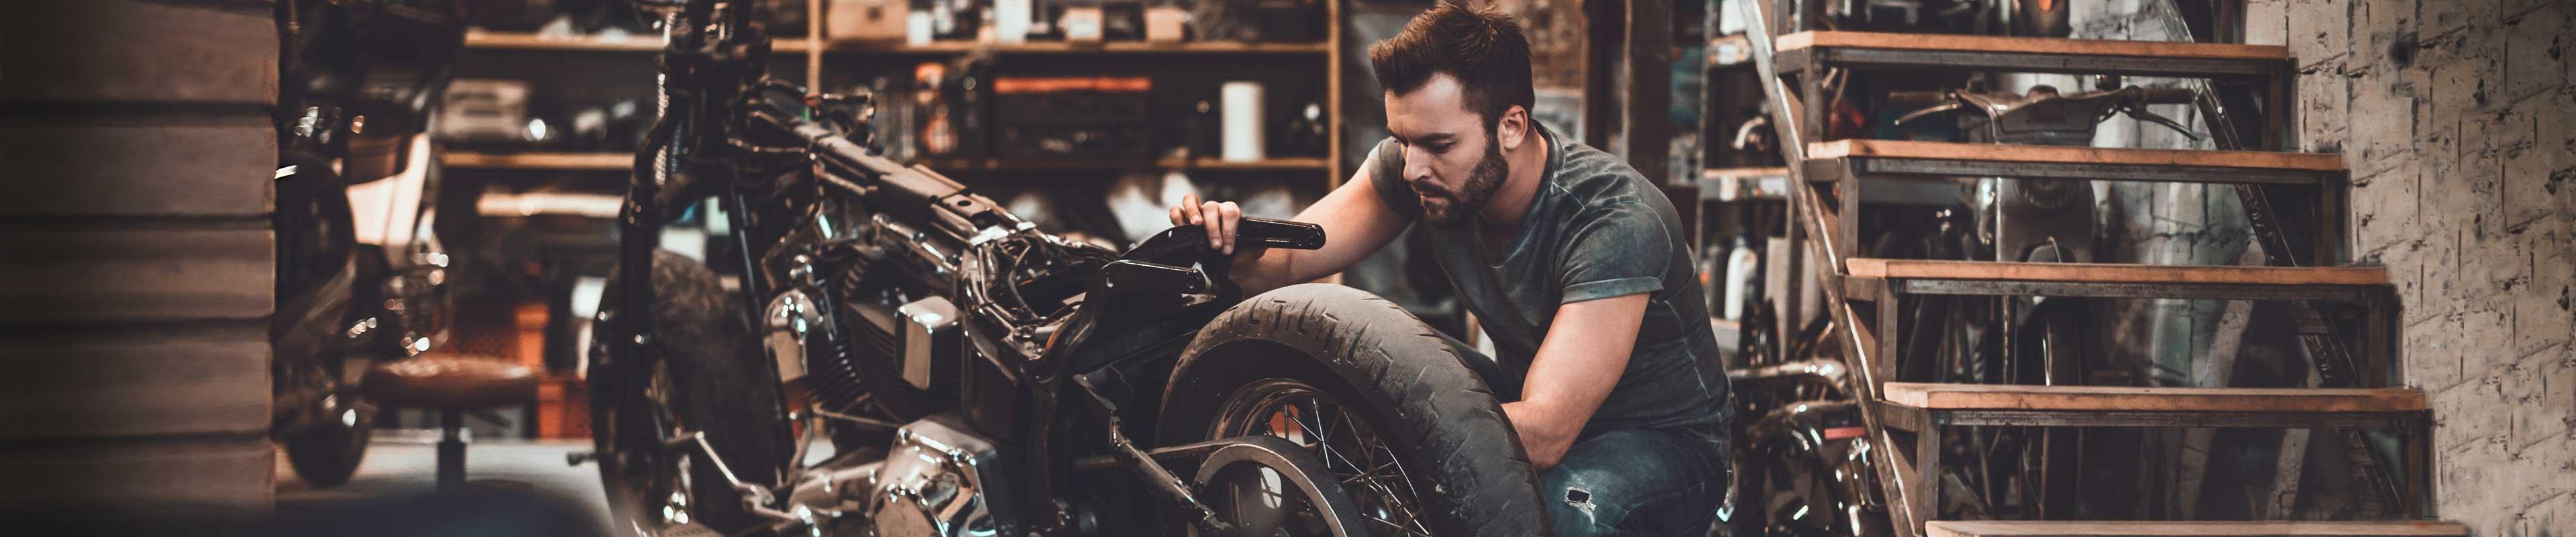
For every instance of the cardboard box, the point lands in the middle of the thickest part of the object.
(865, 20)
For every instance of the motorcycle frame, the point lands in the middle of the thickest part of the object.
(711, 72)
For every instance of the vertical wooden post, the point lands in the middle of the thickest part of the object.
(1334, 169)
(1649, 89)
(814, 46)
(1603, 20)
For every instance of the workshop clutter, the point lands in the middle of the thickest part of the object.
(1064, 117)
(508, 116)
(920, 22)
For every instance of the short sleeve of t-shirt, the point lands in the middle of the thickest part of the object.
(1386, 169)
(1614, 249)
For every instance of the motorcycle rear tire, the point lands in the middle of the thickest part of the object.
(721, 385)
(1370, 356)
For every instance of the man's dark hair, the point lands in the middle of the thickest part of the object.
(1480, 46)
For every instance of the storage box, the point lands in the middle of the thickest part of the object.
(865, 20)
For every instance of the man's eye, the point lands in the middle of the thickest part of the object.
(1441, 148)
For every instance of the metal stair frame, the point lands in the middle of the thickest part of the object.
(1834, 221)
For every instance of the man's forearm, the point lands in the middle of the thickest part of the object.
(1545, 430)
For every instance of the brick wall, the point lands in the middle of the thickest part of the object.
(2455, 118)
(2458, 121)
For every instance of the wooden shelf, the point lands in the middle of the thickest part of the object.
(1065, 48)
(483, 39)
(1272, 164)
(1909, 51)
(1947, 159)
(2114, 273)
(2074, 528)
(541, 161)
(623, 161)
(2121, 398)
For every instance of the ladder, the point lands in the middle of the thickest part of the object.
(1861, 294)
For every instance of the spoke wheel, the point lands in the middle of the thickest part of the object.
(1351, 452)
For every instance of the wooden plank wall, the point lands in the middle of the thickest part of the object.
(137, 260)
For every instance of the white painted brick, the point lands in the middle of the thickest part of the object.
(2323, 125)
(2553, 517)
(2436, 18)
(2319, 31)
(2267, 22)
(2541, 397)
(2487, 351)
(2433, 356)
(2542, 307)
(2471, 197)
(2384, 207)
(2535, 53)
(2377, 26)
(2527, 164)
(2382, 121)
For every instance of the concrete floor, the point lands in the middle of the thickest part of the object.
(516, 487)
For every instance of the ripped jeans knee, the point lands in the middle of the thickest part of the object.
(1634, 482)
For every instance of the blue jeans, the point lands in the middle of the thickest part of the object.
(1634, 482)
(1624, 481)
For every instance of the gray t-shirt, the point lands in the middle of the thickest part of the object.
(1596, 230)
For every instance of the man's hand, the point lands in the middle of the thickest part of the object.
(1586, 349)
(1221, 218)
(1358, 223)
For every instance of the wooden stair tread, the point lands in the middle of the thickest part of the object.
(2049, 154)
(2029, 45)
(2112, 273)
(2113, 398)
(2086, 528)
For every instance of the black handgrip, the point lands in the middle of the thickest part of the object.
(1270, 233)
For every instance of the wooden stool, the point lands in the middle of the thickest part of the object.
(452, 384)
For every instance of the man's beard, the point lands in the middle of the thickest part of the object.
(1446, 208)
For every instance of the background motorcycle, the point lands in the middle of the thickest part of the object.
(2017, 472)
(360, 276)
(971, 375)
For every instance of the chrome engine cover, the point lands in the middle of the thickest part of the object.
(939, 481)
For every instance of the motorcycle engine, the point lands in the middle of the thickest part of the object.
(938, 481)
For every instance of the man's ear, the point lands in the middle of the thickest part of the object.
(1514, 129)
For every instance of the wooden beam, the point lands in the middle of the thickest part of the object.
(2077, 528)
(2110, 398)
(1647, 108)
(2040, 154)
(2030, 45)
(2112, 273)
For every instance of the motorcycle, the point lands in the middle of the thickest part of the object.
(2016, 472)
(361, 276)
(900, 356)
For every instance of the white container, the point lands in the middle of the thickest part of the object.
(1241, 132)
(918, 28)
(1739, 271)
(1011, 21)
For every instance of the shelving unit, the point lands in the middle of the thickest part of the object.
(484, 39)
(623, 161)
(540, 161)
(819, 55)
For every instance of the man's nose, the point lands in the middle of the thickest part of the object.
(1417, 165)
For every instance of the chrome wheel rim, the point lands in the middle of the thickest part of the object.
(1352, 452)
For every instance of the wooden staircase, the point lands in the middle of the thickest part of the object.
(1861, 294)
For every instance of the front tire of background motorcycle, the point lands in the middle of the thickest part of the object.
(711, 377)
(1368, 356)
(326, 450)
